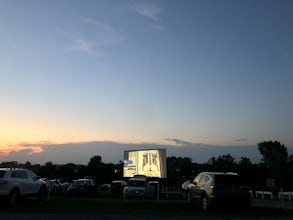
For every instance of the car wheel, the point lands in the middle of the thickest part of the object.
(204, 203)
(42, 193)
(13, 197)
(184, 195)
(189, 199)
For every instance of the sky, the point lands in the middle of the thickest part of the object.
(186, 74)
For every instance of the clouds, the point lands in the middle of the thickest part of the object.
(182, 142)
(151, 11)
(24, 149)
(83, 46)
(92, 37)
(112, 152)
(241, 140)
(147, 9)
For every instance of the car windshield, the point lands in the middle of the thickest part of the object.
(228, 180)
(80, 183)
(136, 183)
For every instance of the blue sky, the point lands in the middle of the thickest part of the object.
(205, 72)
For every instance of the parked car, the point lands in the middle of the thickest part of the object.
(154, 188)
(93, 178)
(137, 188)
(212, 189)
(81, 187)
(57, 184)
(140, 176)
(16, 183)
(51, 188)
(117, 186)
(105, 187)
(64, 186)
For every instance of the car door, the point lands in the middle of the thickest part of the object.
(21, 179)
(200, 190)
(33, 183)
(202, 185)
(193, 188)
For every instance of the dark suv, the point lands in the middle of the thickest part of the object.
(218, 188)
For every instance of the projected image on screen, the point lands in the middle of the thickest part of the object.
(151, 163)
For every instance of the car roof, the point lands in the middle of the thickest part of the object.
(220, 173)
(136, 179)
(8, 169)
(118, 181)
(139, 176)
(84, 180)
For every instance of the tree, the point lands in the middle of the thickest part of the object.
(48, 170)
(27, 165)
(95, 166)
(68, 172)
(273, 152)
(248, 171)
(225, 163)
(10, 164)
(275, 157)
(178, 167)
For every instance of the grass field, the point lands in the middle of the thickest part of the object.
(118, 206)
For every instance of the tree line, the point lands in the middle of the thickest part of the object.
(276, 165)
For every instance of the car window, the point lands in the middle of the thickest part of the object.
(196, 179)
(19, 174)
(228, 180)
(31, 175)
(136, 183)
(80, 183)
(2, 173)
(204, 179)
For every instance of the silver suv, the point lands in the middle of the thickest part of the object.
(16, 183)
(218, 188)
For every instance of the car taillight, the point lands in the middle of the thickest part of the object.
(213, 183)
(4, 182)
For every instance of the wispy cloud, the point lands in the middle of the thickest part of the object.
(151, 11)
(93, 37)
(148, 9)
(183, 142)
(241, 140)
(82, 45)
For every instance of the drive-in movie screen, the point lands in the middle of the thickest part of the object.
(151, 163)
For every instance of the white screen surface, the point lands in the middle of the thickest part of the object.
(151, 163)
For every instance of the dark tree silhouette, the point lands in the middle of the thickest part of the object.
(275, 158)
(273, 153)
(225, 163)
(95, 167)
